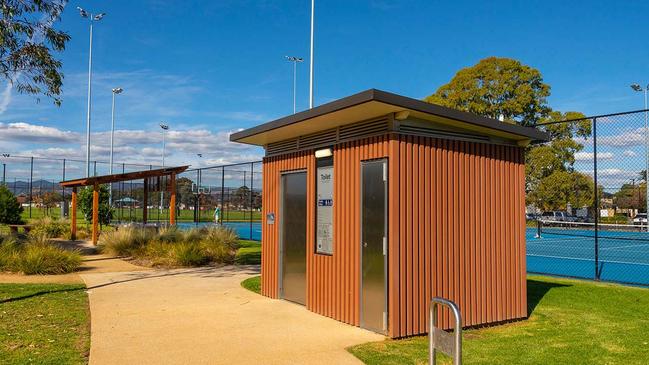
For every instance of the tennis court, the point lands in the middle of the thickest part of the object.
(568, 249)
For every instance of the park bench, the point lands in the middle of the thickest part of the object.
(13, 228)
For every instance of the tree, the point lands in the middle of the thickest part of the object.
(496, 87)
(241, 197)
(27, 39)
(85, 204)
(10, 209)
(50, 199)
(503, 87)
(561, 188)
(184, 193)
(542, 161)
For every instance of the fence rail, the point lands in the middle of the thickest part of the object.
(235, 189)
(587, 187)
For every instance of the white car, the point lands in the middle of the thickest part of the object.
(640, 219)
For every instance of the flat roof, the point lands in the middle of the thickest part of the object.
(375, 103)
(135, 175)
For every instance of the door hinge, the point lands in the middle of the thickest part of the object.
(385, 246)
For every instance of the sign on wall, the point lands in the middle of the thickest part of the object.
(324, 210)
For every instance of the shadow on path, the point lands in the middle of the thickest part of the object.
(203, 272)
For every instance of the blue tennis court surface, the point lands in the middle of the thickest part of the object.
(245, 230)
(623, 255)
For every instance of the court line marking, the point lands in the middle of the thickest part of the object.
(591, 260)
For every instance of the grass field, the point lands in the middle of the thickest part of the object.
(253, 284)
(571, 322)
(249, 253)
(126, 214)
(44, 324)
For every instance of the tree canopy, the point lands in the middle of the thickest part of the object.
(497, 87)
(503, 87)
(10, 209)
(27, 41)
(85, 204)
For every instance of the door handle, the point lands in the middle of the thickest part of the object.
(364, 244)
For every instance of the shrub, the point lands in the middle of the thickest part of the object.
(171, 234)
(10, 250)
(125, 241)
(172, 247)
(189, 254)
(37, 256)
(51, 228)
(10, 209)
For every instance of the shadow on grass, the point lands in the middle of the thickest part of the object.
(536, 290)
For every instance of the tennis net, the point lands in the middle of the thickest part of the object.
(616, 231)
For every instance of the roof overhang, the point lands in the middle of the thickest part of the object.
(374, 103)
(135, 175)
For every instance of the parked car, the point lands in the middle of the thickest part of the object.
(640, 219)
(557, 215)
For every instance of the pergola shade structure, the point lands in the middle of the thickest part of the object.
(95, 181)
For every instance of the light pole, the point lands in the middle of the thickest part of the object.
(117, 90)
(311, 57)
(165, 128)
(92, 18)
(638, 88)
(295, 61)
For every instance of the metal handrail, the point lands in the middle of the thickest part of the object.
(448, 344)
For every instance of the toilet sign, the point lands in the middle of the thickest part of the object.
(324, 209)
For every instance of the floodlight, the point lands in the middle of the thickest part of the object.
(117, 90)
(164, 126)
(99, 16)
(82, 12)
(636, 87)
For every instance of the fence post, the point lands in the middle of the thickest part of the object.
(4, 174)
(222, 194)
(252, 182)
(31, 176)
(596, 199)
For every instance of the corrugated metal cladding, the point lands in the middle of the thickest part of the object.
(456, 230)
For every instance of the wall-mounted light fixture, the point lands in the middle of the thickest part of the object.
(325, 152)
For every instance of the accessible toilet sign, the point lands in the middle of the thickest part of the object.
(324, 210)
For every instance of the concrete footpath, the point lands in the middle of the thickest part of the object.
(204, 316)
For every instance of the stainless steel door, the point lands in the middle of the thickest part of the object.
(293, 237)
(374, 245)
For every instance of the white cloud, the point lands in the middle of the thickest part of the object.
(130, 146)
(629, 153)
(25, 132)
(628, 138)
(588, 156)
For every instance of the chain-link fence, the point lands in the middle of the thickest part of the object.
(234, 189)
(35, 180)
(587, 199)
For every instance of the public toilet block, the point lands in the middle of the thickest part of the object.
(375, 203)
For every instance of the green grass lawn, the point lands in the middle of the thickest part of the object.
(44, 324)
(249, 253)
(571, 322)
(253, 284)
(126, 214)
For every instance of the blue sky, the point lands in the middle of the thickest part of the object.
(208, 68)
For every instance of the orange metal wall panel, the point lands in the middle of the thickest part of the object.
(463, 234)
